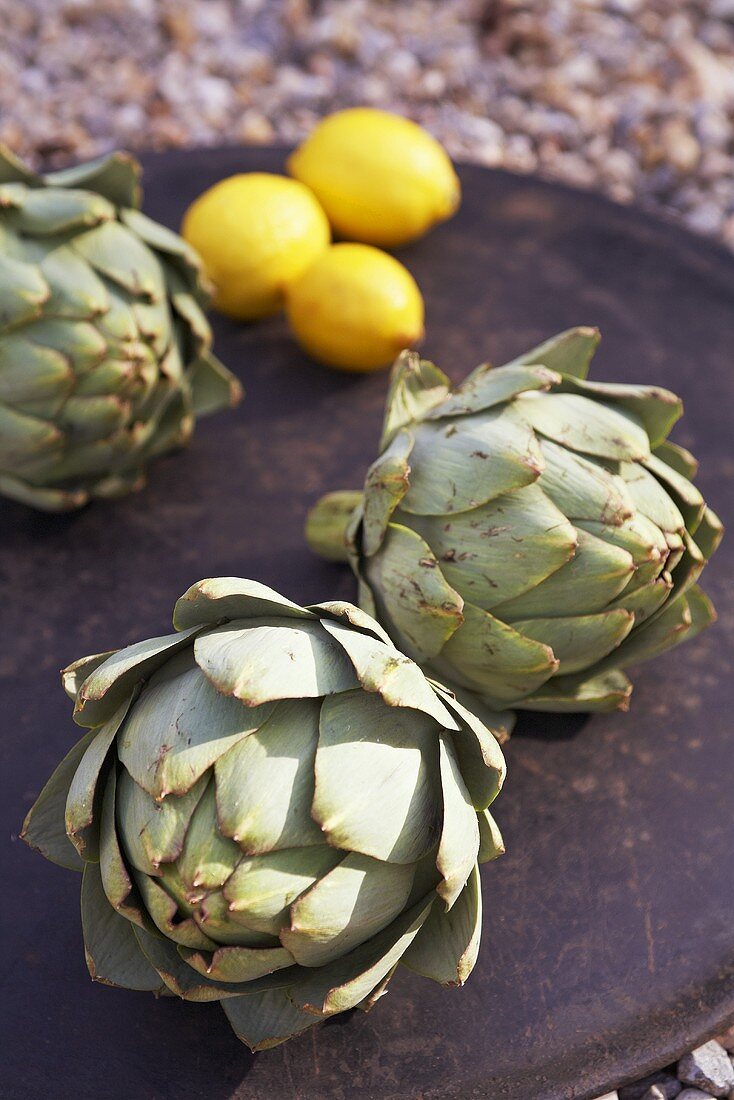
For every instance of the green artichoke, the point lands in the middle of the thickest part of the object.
(273, 808)
(529, 534)
(105, 353)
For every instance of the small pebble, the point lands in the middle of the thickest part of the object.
(709, 1068)
(663, 1091)
(632, 97)
(665, 1082)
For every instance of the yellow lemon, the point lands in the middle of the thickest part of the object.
(380, 178)
(355, 308)
(256, 233)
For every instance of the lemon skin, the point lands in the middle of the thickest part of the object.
(381, 178)
(256, 233)
(355, 308)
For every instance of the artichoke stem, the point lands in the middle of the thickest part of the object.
(328, 521)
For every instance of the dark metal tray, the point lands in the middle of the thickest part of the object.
(609, 931)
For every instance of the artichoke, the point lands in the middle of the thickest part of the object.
(105, 353)
(273, 808)
(529, 534)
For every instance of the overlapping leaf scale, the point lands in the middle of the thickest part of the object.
(448, 945)
(501, 549)
(181, 726)
(411, 595)
(277, 757)
(456, 466)
(117, 677)
(494, 658)
(377, 783)
(260, 660)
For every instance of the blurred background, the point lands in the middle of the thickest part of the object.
(633, 97)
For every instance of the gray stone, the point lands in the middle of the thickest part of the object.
(665, 1089)
(667, 1083)
(709, 1068)
(694, 1094)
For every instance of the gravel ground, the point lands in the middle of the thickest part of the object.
(635, 97)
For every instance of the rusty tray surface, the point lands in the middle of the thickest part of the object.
(608, 941)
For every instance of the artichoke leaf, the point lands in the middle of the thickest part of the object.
(415, 387)
(579, 640)
(116, 254)
(377, 786)
(501, 549)
(212, 386)
(650, 497)
(166, 915)
(657, 409)
(344, 983)
(679, 620)
(160, 238)
(116, 678)
(47, 500)
(116, 881)
(424, 610)
(84, 795)
(32, 375)
(597, 573)
(262, 888)
(459, 843)
(481, 761)
(583, 490)
(584, 425)
(709, 533)
(491, 844)
(237, 964)
(180, 726)
(23, 291)
(259, 660)
(113, 954)
(488, 386)
(263, 1020)
(447, 945)
(115, 176)
(86, 419)
(456, 465)
(349, 905)
(494, 659)
(385, 486)
(217, 920)
(350, 615)
(677, 458)
(27, 443)
(186, 982)
(218, 599)
(600, 693)
(686, 496)
(277, 758)
(44, 827)
(569, 352)
(383, 669)
(77, 292)
(44, 212)
(379, 991)
(12, 169)
(153, 832)
(208, 858)
(645, 601)
(500, 723)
